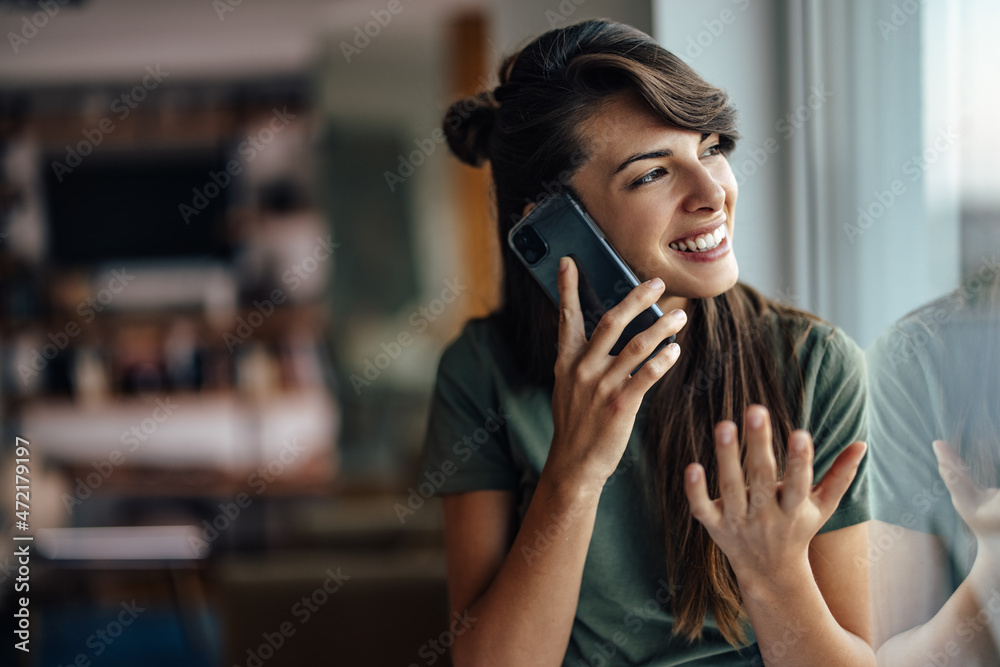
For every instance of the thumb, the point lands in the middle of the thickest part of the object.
(838, 478)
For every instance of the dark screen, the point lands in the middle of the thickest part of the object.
(127, 205)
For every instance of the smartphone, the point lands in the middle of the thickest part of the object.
(559, 227)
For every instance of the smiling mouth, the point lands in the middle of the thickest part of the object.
(701, 242)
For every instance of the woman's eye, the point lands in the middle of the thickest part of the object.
(648, 178)
(714, 150)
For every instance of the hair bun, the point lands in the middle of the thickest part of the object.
(468, 125)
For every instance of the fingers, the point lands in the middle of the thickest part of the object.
(696, 488)
(732, 483)
(762, 468)
(643, 343)
(965, 493)
(614, 321)
(797, 485)
(655, 367)
(834, 484)
(572, 337)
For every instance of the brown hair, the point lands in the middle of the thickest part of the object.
(527, 129)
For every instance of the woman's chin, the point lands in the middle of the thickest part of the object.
(719, 283)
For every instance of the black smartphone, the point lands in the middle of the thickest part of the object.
(559, 227)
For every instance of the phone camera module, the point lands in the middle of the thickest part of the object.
(531, 246)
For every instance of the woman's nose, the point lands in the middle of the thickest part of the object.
(704, 191)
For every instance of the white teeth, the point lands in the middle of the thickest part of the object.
(702, 242)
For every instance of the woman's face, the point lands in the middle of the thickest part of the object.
(656, 192)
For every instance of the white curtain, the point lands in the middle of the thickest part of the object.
(859, 219)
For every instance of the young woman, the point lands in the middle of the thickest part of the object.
(595, 517)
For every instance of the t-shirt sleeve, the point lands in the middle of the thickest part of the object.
(838, 416)
(903, 424)
(466, 447)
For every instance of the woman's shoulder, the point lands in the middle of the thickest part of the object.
(816, 342)
(479, 347)
(479, 359)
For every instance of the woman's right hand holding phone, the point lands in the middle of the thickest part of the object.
(596, 398)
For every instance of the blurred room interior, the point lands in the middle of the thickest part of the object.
(233, 245)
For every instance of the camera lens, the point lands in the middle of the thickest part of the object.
(530, 245)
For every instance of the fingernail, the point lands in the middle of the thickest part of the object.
(693, 474)
(725, 435)
(798, 443)
(656, 283)
(938, 446)
(563, 264)
(679, 313)
(755, 419)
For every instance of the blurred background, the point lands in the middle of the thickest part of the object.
(233, 245)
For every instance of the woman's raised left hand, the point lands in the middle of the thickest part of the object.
(764, 525)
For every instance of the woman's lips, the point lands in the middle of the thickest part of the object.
(712, 255)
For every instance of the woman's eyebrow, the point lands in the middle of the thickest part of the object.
(666, 152)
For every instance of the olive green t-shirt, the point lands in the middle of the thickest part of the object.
(488, 430)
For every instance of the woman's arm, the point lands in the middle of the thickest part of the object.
(964, 630)
(768, 532)
(519, 593)
(819, 614)
(522, 590)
